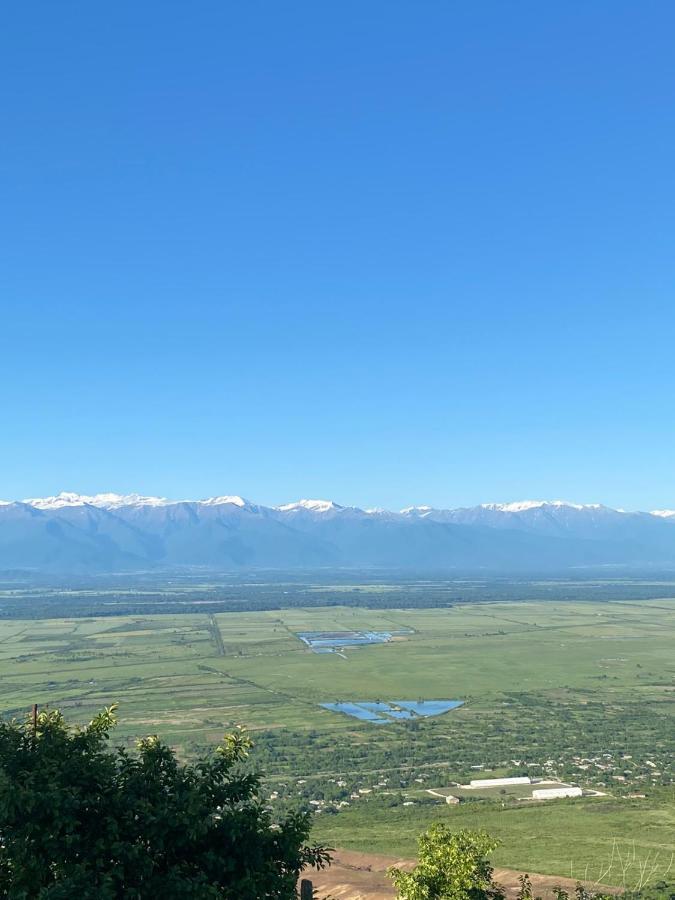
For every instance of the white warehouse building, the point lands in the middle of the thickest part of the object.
(553, 793)
(497, 782)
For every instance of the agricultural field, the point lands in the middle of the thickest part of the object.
(580, 692)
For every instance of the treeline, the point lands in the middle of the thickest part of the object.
(159, 597)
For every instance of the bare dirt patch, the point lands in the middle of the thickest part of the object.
(357, 876)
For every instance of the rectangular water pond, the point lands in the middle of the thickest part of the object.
(329, 641)
(357, 712)
(429, 707)
(378, 712)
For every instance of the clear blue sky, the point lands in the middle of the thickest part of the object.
(385, 252)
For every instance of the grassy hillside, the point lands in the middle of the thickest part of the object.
(607, 840)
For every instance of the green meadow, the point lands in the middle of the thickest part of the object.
(543, 683)
(610, 841)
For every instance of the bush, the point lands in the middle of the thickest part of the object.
(81, 820)
(454, 866)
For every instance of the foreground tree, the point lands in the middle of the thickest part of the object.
(81, 820)
(451, 866)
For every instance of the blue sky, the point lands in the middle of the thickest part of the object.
(383, 252)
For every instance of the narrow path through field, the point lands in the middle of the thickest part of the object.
(214, 631)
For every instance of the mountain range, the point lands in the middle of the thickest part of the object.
(107, 533)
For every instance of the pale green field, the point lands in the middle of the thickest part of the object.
(168, 675)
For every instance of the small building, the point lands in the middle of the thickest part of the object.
(555, 793)
(452, 801)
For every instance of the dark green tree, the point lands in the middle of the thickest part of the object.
(79, 819)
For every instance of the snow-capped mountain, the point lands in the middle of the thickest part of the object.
(117, 501)
(112, 532)
(319, 506)
(104, 501)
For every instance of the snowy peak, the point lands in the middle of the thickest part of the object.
(317, 506)
(525, 505)
(226, 500)
(65, 498)
(111, 532)
(112, 501)
(119, 501)
(520, 506)
(103, 501)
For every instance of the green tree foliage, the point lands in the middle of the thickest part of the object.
(451, 866)
(81, 820)
(454, 866)
(660, 890)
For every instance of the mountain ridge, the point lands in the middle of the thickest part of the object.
(109, 532)
(111, 500)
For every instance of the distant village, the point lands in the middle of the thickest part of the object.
(581, 776)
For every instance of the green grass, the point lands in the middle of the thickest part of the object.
(512, 662)
(568, 838)
(167, 672)
(472, 652)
